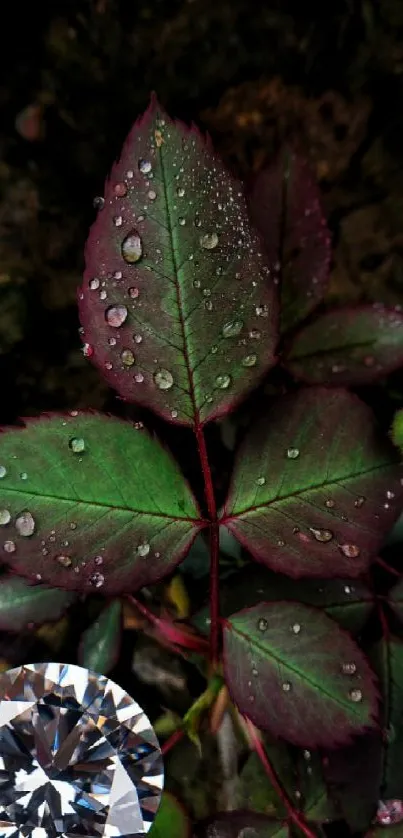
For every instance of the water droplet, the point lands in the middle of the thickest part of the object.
(286, 686)
(88, 350)
(389, 812)
(132, 248)
(5, 517)
(208, 305)
(25, 524)
(143, 549)
(103, 295)
(174, 413)
(359, 502)
(329, 503)
(307, 755)
(262, 310)
(390, 495)
(98, 560)
(292, 453)
(249, 361)
(152, 194)
(115, 316)
(355, 695)
(117, 275)
(137, 338)
(223, 381)
(118, 220)
(262, 624)
(209, 241)
(9, 546)
(112, 341)
(350, 550)
(127, 357)
(64, 561)
(120, 189)
(133, 293)
(139, 377)
(348, 668)
(180, 191)
(94, 284)
(347, 589)
(260, 481)
(321, 535)
(144, 166)
(182, 221)
(296, 628)
(23, 475)
(98, 202)
(232, 329)
(97, 579)
(77, 444)
(163, 379)
(254, 334)
(3, 472)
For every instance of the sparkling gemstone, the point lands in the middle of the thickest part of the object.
(78, 757)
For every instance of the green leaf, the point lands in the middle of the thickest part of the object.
(100, 643)
(22, 603)
(254, 788)
(347, 346)
(285, 206)
(397, 430)
(392, 832)
(316, 802)
(92, 503)
(286, 662)
(188, 323)
(387, 659)
(353, 778)
(240, 823)
(314, 488)
(171, 820)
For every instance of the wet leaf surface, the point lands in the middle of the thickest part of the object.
(387, 658)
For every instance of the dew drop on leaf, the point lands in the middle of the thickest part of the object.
(329, 503)
(94, 284)
(77, 444)
(390, 495)
(127, 358)
(262, 624)
(118, 220)
(139, 377)
(25, 524)
(9, 546)
(350, 550)
(359, 502)
(98, 202)
(348, 668)
(292, 453)
(133, 293)
(307, 755)
(254, 334)
(355, 695)
(321, 535)
(143, 549)
(152, 195)
(132, 248)
(5, 517)
(209, 241)
(262, 310)
(144, 166)
(296, 628)
(223, 381)
(115, 316)
(249, 361)
(120, 189)
(347, 589)
(3, 471)
(137, 338)
(180, 191)
(97, 579)
(260, 481)
(389, 812)
(64, 561)
(24, 475)
(98, 560)
(88, 350)
(232, 329)
(163, 379)
(286, 686)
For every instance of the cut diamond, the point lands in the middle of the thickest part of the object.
(78, 757)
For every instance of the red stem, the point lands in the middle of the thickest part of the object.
(388, 568)
(169, 631)
(258, 747)
(214, 547)
(172, 741)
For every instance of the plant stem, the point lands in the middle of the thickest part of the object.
(258, 747)
(388, 567)
(214, 548)
(170, 631)
(172, 741)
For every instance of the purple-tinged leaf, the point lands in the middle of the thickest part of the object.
(395, 599)
(285, 206)
(171, 820)
(91, 503)
(22, 603)
(353, 778)
(347, 346)
(100, 643)
(178, 306)
(387, 659)
(294, 672)
(314, 489)
(241, 823)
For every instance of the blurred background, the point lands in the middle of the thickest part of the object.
(76, 74)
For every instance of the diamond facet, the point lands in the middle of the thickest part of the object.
(78, 757)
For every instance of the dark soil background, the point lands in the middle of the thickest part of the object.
(75, 74)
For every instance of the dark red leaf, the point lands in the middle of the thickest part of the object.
(285, 206)
(315, 489)
(178, 305)
(348, 346)
(240, 823)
